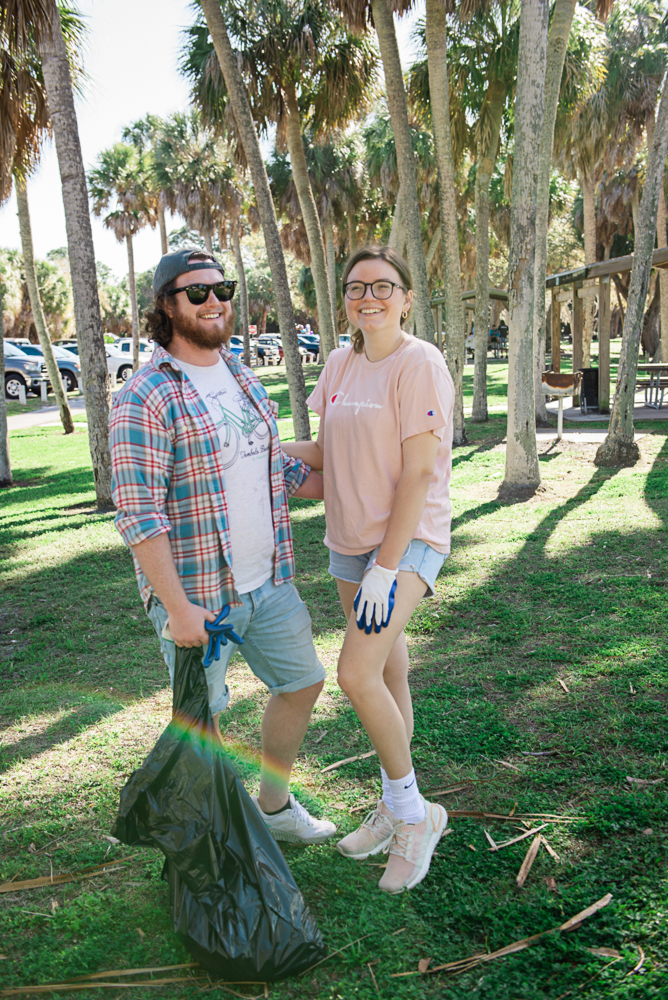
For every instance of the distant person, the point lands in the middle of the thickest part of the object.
(385, 445)
(201, 486)
(503, 329)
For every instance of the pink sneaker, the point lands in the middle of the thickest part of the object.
(372, 836)
(411, 850)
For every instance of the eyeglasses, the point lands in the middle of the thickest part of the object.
(379, 289)
(198, 294)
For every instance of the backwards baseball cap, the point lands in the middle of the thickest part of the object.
(171, 265)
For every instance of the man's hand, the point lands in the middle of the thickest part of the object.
(187, 625)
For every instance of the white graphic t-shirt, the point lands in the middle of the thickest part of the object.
(245, 440)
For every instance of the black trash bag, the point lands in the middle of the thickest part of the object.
(234, 901)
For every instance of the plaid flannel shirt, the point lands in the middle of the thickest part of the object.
(167, 476)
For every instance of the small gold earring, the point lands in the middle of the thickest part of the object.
(404, 314)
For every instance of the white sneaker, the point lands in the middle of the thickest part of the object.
(295, 825)
(374, 834)
(412, 848)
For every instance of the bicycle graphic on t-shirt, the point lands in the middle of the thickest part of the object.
(249, 425)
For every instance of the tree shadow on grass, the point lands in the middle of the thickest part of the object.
(74, 722)
(44, 484)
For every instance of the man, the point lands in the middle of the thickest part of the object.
(201, 487)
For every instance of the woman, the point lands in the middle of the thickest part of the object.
(384, 446)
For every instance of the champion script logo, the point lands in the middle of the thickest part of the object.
(340, 399)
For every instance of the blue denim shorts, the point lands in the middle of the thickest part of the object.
(418, 558)
(278, 645)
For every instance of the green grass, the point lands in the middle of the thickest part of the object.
(568, 585)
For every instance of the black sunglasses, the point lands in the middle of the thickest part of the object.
(198, 294)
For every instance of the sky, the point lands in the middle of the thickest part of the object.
(131, 63)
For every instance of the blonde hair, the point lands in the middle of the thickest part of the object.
(391, 257)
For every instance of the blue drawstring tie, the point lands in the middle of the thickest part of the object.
(219, 636)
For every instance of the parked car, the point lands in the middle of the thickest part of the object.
(236, 345)
(309, 344)
(21, 370)
(67, 344)
(125, 344)
(271, 341)
(119, 365)
(344, 340)
(267, 354)
(68, 363)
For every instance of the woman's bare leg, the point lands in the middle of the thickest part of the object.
(395, 673)
(362, 665)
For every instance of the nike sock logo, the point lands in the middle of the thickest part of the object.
(412, 783)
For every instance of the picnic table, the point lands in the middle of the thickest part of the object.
(655, 383)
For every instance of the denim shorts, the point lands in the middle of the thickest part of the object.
(418, 558)
(278, 645)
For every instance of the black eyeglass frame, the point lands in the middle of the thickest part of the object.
(202, 285)
(370, 284)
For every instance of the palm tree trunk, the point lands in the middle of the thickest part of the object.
(352, 232)
(434, 244)
(397, 238)
(162, 222)
(454, 326)
(87, 317)
(5, 464)
(495, 97)
(383, 19)
(36, 305)
(244, 122)
(521, 452)
(660, 242)
(207, 236)
(243, 291)
(589, 213)
(331, 271)
(133, 302)
(311, 222)
(619, 448)
(557, 43)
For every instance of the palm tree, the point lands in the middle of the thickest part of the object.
(238, 97)
(557, 42)
(358, 13)
(334, 177)
(305, 72)
(484, 65)
(120, 180)
(454, 327)
(521, 453)
(36, 304)
(143, 135)
(23, 21)
(25, 125)
(619, 447)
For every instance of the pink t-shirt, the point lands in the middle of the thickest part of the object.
(368, 409)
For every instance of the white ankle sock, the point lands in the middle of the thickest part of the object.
(387, 792)
(407, 804)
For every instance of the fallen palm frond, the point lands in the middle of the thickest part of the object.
(639, 964)
(34, 883)
(528, 861)
(550, 850)
(97, 980)
(134, 972)
(478, 814)
(448, 790)
(347, 760)
(494, 846)
(464, 964)
(95, 985)
(516, 840)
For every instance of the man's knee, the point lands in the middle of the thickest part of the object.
(305, 697)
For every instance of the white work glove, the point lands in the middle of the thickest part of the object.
(375, 598)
